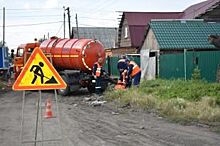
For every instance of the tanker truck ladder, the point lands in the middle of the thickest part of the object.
(49, 55)
(45, 124)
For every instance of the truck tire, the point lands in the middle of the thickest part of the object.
(66, 91)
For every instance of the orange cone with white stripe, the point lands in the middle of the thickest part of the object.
(48, 113)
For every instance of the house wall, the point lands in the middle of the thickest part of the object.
(120, 51)
(125, 42)
(149, 55)
(150, 42)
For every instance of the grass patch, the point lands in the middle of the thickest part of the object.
(133, 97)
(177, 99)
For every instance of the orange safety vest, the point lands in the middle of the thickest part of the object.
(98, 70)
(136, 69)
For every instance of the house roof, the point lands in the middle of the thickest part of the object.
(138, 22)
(143, 18)
(199, 9)
(106, 35)
(184, 34)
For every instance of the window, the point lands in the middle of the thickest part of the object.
(30, 50)
(6, 52)
(126, 32)
(152, 54)
(20, 52)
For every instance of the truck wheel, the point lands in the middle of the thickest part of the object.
(66, 91)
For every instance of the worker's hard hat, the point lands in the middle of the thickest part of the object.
(127, 60)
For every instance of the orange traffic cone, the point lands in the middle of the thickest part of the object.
(9, 83)
(48, 113)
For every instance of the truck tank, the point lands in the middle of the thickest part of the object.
(73, 54)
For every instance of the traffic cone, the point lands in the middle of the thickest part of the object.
(48, 113)
(9, 83)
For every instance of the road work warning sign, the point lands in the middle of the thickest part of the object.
(38, 74)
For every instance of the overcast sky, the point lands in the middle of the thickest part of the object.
(29, 19)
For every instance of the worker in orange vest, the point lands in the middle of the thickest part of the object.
(98, 71)
(122, 68)
(134, 72)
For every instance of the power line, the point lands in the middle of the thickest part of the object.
(91, 7)
(33, 24)
(96, 18)
(33, 16)
(89, 11)
(23, 13)
(108, 3)
(59, 29)
(42, 16)
(87, 25)
(33, 9)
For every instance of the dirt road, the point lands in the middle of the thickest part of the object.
(86, 125)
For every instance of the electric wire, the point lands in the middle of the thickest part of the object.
(59, 29)
(96, 18)
(33, 16)
(32, 9)
(31, 24)
(103, 6)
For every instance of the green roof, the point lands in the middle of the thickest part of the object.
(184, 34)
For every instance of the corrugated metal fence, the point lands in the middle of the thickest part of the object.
(172, 65)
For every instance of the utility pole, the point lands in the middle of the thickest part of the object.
(68, 13)
(72, 33)
(77, 28)
(64, 23)
(3, 43)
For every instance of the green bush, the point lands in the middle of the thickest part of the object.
(196, 75)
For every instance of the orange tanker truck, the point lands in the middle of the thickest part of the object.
(72, 58)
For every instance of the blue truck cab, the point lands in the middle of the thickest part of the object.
(4, 60)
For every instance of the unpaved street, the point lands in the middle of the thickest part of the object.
(86, 125)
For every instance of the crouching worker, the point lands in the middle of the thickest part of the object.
(134, 72)
(98, 72)
(122, 68)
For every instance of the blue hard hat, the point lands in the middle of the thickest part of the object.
(127, 60)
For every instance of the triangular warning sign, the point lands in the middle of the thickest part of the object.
(38, 74)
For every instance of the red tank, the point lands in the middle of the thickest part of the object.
(73, 54)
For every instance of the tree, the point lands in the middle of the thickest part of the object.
(196, 75)
(214, 40)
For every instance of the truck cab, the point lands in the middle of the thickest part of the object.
(4, 62)
(23, 53)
